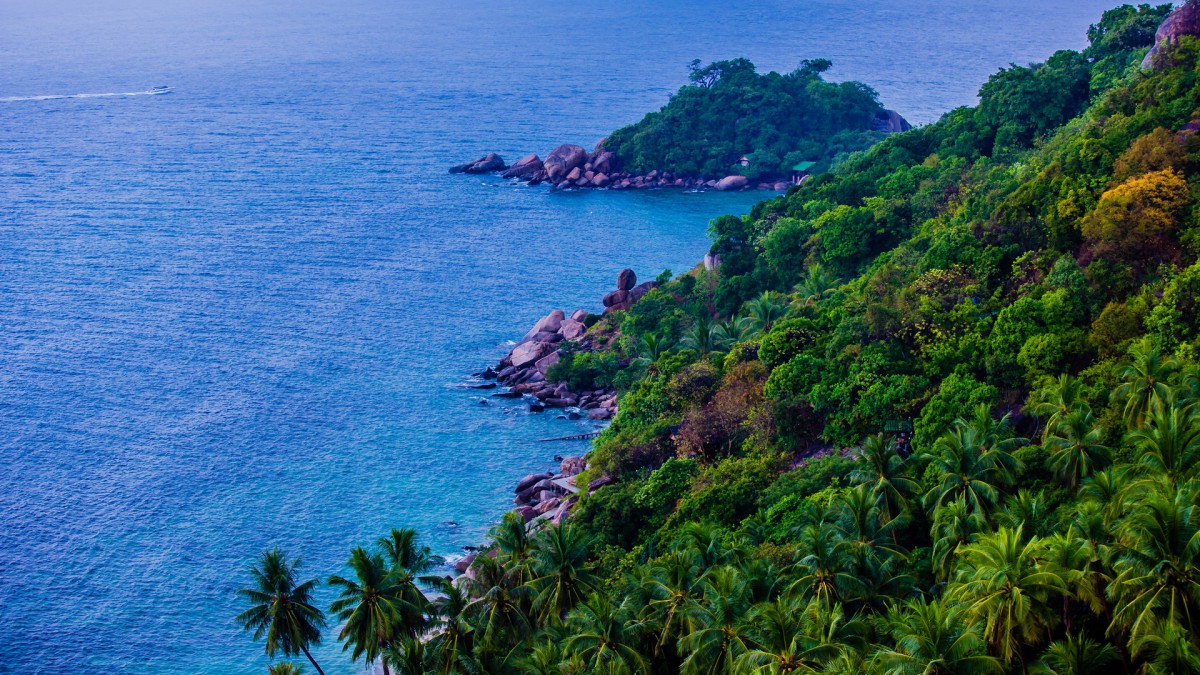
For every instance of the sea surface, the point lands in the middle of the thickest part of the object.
(241, 314)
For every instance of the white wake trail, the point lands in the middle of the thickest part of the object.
(53, 97)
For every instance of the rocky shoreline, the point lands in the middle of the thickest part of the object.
(570, 167)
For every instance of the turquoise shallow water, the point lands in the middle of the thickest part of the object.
(239, 315)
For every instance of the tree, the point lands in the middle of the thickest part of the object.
(882, 470)
(281, 609)
(1144, 382)
(284, 668)
(1078, 655)
(1004, 584)
(716, 637)
(701, 335)
(788, 636)
(765, 310)
(499, 605)
(954, 525)
(930, 639)
(372, 606)
(1169, 439)
(1075, 447)
(974, 461)
(450, 632)
(408, 563)
(1135, 223)
(560, 577)
(1059, 398)
(603, 639)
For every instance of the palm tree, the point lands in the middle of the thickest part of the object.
(765, 310)
(1171, 648)
(728, 333)
(512, 540)
(1169, 439)
(818, 282)
(931, 639)
(560, 576)
(281, 609)
(651, 346)
(1081, 567)
(824, 573)
(716, 639)
(1005, 584)
(674, 586)
(1078, 655)
(372, 606)
(1075, 447)
(881, 468)
(450, 633)
(603, 639)
(788, 636)
(1058, 399)
(974, 460)
(407, 656)
(1158, 566)
(409, 563)
(954, 525)
(700, 335)
(1145, 381)
(284, 668)
(499, 607)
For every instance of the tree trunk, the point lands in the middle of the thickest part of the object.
(312, 660)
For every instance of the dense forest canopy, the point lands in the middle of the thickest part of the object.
(937, 411)
(728, 111)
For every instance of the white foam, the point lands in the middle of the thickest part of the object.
(53, 97)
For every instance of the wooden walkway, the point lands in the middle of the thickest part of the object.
(577, 437)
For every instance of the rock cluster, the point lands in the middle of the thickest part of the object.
(549, 495)
(570, 166)
(1181, 22)
(524, 370)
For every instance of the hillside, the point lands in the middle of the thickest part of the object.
(935, 411)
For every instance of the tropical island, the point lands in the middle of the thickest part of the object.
(936, 410)
(729, 128)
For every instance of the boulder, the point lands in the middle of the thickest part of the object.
(600, 413)
(1181, 22)
(562, 160)
(526, 167)
(528, 513)
(537, 407)
(579, 315)
(782, 186)
(711, 261)
(547, 505)
(543, 364)
(547, 336)
(572, 329)
(601, 482)
(547, 324)
(531, 480)
(574, 175)
(890, 122)
(572, 466)
(527, 353)
(464, 563)
(626, 279)
(730, 183)
(637, 292)
(604, 162)
(615, 298)
(600, 180)
(486, 164)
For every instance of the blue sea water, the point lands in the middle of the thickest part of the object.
(239, 315)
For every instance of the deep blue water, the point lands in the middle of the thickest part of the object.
(239, 315)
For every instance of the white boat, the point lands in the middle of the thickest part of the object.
(159, 90)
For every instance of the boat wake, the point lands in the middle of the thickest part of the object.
(55, 97)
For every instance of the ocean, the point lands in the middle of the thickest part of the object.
(242, 314)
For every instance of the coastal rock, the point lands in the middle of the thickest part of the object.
(549, 504)
(626, 279)
(574, 175)
(531, 480)
(537, 407)
(572, 329)
(711, 261)
(1181, 22)
(528, 513)
(601, 482)
(525, 167)
(579, 315)
(600, 180)
(637, 292)
(547, 336)
(562, 160)
(890, 121)
(527, 352)
(572, 466)
(547, 324)
(486, 164)
(782, 186)
(544, 364)
(464, 564)
(620, 297)
(604, 162)
(730, 183)
(600, 413)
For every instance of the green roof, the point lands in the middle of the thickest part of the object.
(804, 166)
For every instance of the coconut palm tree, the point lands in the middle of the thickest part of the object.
(825, 571)
(603, 639)
(284, 668)
(560, 577)
(1081, 568)
(954, 525)
(674, 586)
(651, 346)
(881, 468)
(1169, 439)
(789, 636)
(407, 656)
(1158, 565)
(1078, 655)
(728, 333)
(281, 610)
(973, 459)
(765, 310)
(818, 283)
(450, 634)
(1144, 382)
(716, 637)
(512, 541)
(372, 606)
(1005, 584)
(700, 335)
(1058, 399)
(500, 603)
(409, 562)
(932, 639)
(1074, 442)
(1171, 650)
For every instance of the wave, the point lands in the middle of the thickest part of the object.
(55, 97)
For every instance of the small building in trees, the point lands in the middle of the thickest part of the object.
(743, 161)
(800, 172)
